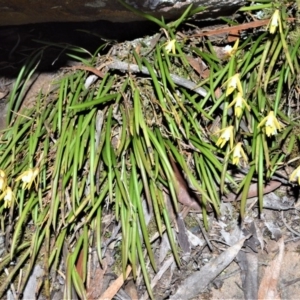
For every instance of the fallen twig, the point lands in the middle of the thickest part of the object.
(254, 24)
(126, 67)
(194, 284)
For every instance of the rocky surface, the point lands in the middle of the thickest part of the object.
(16, 12)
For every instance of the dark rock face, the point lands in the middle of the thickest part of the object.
(17, 43)
(16, 12)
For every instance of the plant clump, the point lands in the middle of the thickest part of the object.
(127, 135)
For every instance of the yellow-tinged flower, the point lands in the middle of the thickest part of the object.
(28, 177)
(274, 22)
(239, 102)
(8, 197)
(234, 83)
(2, 183)
(2, 173)
(238, 152)
(170, 46)
(271, 124)
(3, 180)
(230, 51)
(226, 135)
(295, 175)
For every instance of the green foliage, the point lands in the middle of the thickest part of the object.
(85, 152)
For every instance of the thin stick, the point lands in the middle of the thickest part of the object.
(123, 66)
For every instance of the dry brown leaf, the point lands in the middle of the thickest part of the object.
(79, 264)
(182, 190)
(268, 285)
(194, 64)
(115, 286)
(131, 290)
(198, 66)
(218, 92)
(253, 192)
(95, 281)
(86, 68)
